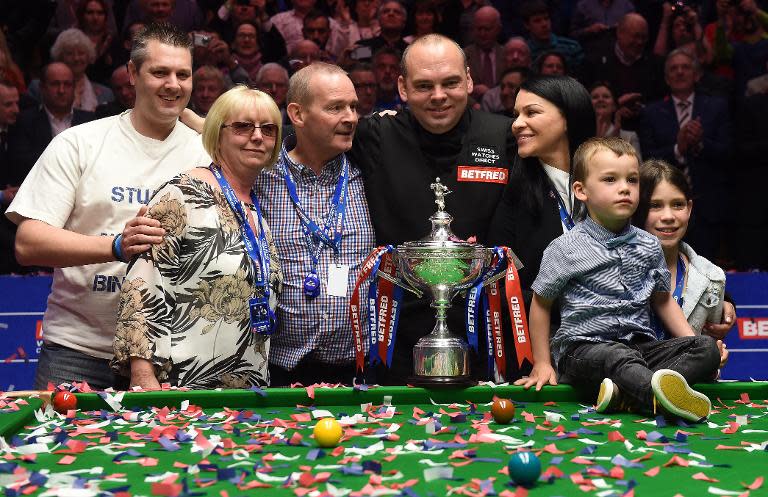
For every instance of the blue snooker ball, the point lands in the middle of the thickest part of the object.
(524, 468)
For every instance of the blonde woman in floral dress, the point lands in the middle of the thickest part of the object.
(187, 305)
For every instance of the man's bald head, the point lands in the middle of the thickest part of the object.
(632, 35)
(486, 26)
(430, 40)
(517, 53)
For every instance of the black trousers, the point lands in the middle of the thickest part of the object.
(309, 371)
(631, 366)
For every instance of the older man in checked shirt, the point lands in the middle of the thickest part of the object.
(313, 341)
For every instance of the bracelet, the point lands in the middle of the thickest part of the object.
(117, 247)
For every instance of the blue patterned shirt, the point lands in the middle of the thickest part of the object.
(319, 327)
(604, 282)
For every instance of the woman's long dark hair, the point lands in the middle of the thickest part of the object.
(575, 104)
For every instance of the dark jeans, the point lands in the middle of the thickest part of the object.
(309, 371)
(58, 364)
(631, 366)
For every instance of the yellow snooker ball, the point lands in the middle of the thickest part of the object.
(327, 432)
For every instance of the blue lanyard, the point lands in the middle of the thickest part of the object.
(564, 216)
(677, 294)
(330, 234)
(257, 251)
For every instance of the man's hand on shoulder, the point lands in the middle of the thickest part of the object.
(140, 233)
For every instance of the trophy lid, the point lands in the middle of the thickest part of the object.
(440, 234)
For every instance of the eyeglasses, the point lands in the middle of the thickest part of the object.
(245, 128)
(365, 86)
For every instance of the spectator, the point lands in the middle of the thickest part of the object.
(386, 66)
(272, 79)
(355, 21)
(185, 14)
(233, 14)
(303, 53)
(364, 13)
(92, 16)
(736, 22)
(317, 27)
(246, 49)
(595, 18)
(207, 86)
(121, 48)
(457, 18)
(680, 28)
(511, 81)
(691, 131)
(364, 79)
(633, 74)
(392, 17)
(424, 19)
(125, 94)
(24, 24)
(68, 16)
(517, 55)
(538, 23)
(751, 55)
(76, 50)
(36, 127)
(291, 22)
(550, 63)
(211, 50)
(485, 55)
(9, 71)
(9, 112)
(609, 116)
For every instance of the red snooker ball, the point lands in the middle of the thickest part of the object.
(64, 401)
(503, 410)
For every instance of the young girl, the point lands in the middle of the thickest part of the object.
(664, 210)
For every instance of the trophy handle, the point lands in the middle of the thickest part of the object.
(401, 283)
(501, 274)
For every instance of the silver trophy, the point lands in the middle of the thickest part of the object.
(443, 265)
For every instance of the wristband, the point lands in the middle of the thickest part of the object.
(117, 247)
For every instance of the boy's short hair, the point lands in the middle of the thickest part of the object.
(533, 8)
(589, 148)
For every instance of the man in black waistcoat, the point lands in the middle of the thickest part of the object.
(400, 156)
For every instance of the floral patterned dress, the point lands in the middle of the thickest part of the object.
(184, 303)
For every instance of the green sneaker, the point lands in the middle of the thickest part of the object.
(673, 395)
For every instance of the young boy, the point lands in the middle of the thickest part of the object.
(605, 273)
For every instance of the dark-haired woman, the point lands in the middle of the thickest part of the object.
(554, 117)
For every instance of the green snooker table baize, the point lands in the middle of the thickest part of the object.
(397, 441)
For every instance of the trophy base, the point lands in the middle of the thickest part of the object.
(441, 360)
(441, 381)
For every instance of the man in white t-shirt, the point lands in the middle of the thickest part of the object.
(73, 206)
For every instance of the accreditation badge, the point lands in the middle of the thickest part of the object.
(262, 318)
